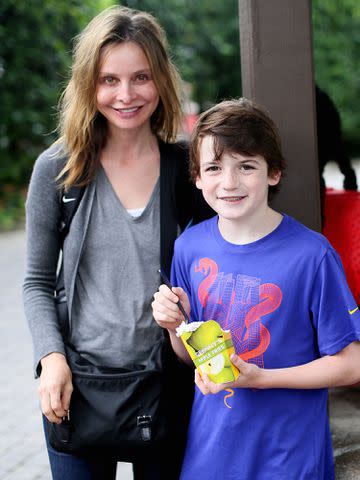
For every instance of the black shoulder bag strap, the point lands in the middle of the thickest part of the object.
(69, 202)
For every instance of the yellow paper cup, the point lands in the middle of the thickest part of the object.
(210, 348)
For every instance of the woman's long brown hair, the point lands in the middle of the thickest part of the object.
(83, 130)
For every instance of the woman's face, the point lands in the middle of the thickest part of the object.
(126, 94)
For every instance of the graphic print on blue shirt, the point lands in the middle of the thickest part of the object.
(238, 304)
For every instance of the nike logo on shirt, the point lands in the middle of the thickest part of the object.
(67, 200)
(353, 311)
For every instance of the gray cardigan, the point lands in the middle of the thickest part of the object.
(180, 203)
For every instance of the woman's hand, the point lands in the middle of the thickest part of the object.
(249, 377)
(55, 387)
(165, 309)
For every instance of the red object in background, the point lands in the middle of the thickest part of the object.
(342, 229)
(190, 120)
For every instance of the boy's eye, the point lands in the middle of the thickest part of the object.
(247, 167)
(212, 168)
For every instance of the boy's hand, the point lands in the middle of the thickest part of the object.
(165, 309)
(249, 377)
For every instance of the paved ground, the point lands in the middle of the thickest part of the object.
(22, 452)
(345, 427)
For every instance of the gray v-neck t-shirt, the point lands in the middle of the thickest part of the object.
(112, 322)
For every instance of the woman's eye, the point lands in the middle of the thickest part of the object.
(108, 80)
(142, 77)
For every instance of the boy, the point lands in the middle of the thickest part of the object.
(281, 290)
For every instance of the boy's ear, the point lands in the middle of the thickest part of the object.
(274, 178)
(198, 182)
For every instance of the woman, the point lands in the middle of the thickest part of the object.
(119, 116)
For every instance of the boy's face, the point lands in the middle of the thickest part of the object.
(237, 186)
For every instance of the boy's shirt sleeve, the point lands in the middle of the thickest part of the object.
(336, 316)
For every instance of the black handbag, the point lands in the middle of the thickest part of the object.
(123, 413)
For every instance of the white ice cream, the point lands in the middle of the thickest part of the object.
(187, 327)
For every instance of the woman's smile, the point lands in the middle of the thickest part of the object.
(126, 94)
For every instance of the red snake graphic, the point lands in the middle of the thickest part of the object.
(270, 299)
(210, 269)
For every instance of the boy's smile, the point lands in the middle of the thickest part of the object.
(236, 187)
(234, 199)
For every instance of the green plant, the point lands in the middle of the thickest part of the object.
(12, 212)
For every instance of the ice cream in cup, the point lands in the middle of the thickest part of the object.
(210, 348)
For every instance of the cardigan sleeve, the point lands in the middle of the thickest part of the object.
(42, 255)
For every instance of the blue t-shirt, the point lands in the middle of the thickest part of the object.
(286, 301)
